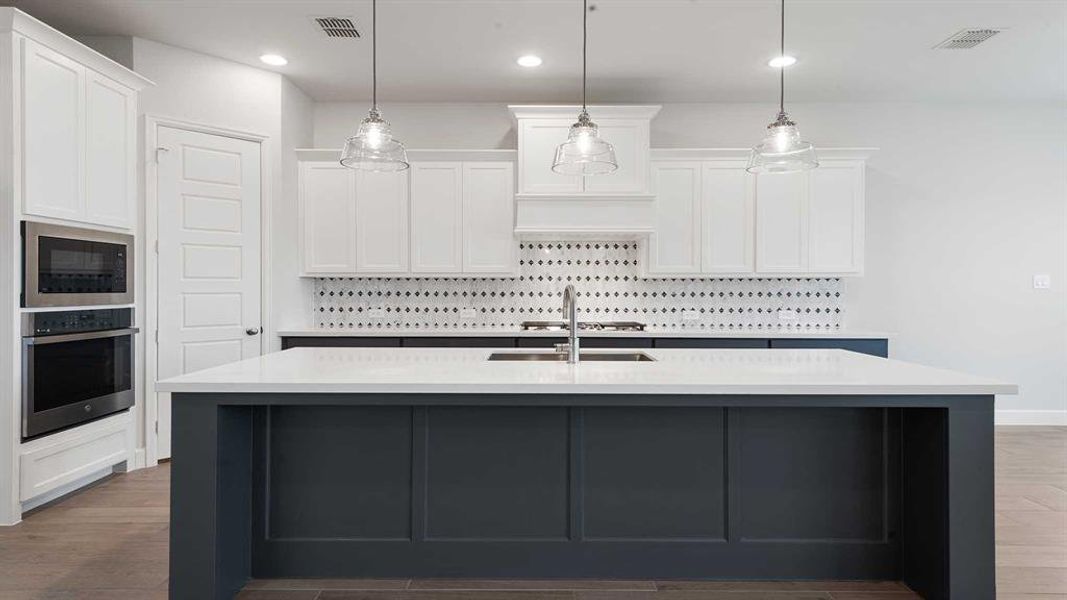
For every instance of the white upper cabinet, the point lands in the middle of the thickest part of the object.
(538, 139)
(53, 133)
(328, 215)
(542, 128)
(714, 219)
(727, 219)
(782, 223)
(381, 222)
(78, 146)
(489, 218)
(437, 217)
(110, 151)
(675, 245)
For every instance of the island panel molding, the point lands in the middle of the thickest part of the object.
(607, 275)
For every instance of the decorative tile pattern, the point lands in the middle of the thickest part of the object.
(606, 276)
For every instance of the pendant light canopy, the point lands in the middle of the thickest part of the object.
(374, 148)
(584, 153)
(782, 150)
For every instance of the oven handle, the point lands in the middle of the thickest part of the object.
(75, 337)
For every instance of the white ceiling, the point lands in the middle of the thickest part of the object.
(640, 50)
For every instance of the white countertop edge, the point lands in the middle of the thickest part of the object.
(648, 333)
(591, 389)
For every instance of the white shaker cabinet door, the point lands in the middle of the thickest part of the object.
(836, 219)
(727, 215)
(436, 217)
(782, 223)
(629, 137)
(110, 142)
(381, 222)
(538, 139)
(489, 244)
(328, 211)
(674, 246)
(53, 143)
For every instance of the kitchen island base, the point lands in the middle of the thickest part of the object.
(628, 486)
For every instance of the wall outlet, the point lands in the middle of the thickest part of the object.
(375, 313)
(690, 315)
(468, 313)
(787, 314)
(1042, 281)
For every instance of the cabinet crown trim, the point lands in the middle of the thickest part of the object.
(663, 154)
(419, 154)
(602, 111)
(13, 19)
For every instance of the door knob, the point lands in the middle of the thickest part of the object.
(252, 330)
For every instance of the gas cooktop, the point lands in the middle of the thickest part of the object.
(583, 325)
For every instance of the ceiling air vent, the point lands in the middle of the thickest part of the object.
(337, 27)
(968, 38)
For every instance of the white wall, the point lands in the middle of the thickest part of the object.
(291, 296)
(965, 205)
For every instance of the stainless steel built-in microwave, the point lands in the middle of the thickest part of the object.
(70, 266)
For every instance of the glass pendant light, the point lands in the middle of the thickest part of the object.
(584, 153)
(782, 150)
(374, 148)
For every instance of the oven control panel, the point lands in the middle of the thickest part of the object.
(75, 321)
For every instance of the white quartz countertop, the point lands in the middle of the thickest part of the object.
(648, 333)
(467, 371)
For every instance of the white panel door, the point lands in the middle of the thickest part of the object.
(489, 244)
(674, 246)
(110, 143)
(782, 223)
(53, 144)
(835, 218)
(538, 139)
(328, 214)
(630, 139)
(381, 222)
(436, 217)
(727, 214)
(209, 255)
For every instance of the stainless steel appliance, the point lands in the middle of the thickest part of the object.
(76, 366)
(583, 325)
(69, 266)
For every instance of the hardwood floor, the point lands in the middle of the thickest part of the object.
(110, 542)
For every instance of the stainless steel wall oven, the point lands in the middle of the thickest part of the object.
(77, 366)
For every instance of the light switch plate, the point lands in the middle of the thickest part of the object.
(1042, 281)
(468, 313)
(690, 315)
(787, 314)
(375, 313)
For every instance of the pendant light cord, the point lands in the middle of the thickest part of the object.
(781, 70)
(374, 53)
(585, 43)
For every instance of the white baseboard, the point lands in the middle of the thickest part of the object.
(138, 459)
(65, 489)
(1031, 417)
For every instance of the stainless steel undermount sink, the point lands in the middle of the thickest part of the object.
(562, 356)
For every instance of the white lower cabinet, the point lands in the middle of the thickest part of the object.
(713, 219)
(439, 218)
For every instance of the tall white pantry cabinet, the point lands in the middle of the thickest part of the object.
(68, 155)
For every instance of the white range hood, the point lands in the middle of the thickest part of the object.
(615, 206)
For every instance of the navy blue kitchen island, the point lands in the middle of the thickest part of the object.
(704, 464)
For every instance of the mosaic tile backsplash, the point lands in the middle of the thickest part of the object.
(606, 276)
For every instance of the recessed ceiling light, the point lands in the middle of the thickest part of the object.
(274, 60)
(529, 60)
(779, 62)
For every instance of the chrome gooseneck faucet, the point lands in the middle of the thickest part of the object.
(570, 313)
